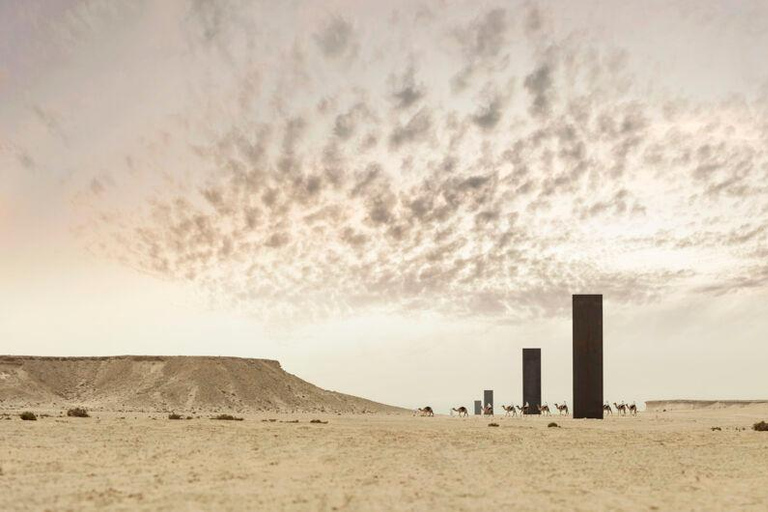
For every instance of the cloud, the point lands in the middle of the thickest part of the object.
(485, 36)
(534, 20)
(415, 130)
(481, 43)
(406, 91)
(491, 110)
(755, 277)
(337, 39)
(347, 123)
(540, 86)
(26, 160)
(378, 191)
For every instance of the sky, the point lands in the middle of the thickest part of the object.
(391, 198)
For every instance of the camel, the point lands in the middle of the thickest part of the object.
(524, 409)
(620, 408)
(461, 410)
(488, 410)
(563, 409)
(544, 410)
(607, 408)
(510, 409)
(426, 411)
(633, 409)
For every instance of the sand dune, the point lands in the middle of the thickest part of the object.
(164, 383)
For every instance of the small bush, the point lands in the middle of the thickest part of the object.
(78, 412)
(760, 426)
(227, 417)
(318, 421)
(716, 429)
(493, 424)
(174, 416)
(553, 425)
(28, 416)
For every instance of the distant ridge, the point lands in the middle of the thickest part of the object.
(164, 383)
(687, 405)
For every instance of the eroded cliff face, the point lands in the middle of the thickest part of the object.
(168, 383)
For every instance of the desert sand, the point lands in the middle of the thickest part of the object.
(655, 461)
(130, 456)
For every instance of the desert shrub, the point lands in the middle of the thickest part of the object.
(227, 417)
(318, 421)
(716, 429)
(78, 412)
(28, 416)
(493, 424)
(553, 425)
(760, 426)
(174, 416)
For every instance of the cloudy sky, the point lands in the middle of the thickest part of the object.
(391, 198)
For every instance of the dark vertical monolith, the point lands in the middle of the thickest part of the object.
(478, 407)
(532, 379)
(488, 398)
(588, 356)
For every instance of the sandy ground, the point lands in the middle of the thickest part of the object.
(664, 461)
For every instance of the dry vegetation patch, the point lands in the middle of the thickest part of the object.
(78, 412)
(227, 417)
(28, 416)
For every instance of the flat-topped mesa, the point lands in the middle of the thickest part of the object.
(690, 405)
(10, 359)
(162, 383)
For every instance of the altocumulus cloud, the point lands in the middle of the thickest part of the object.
(492, 184)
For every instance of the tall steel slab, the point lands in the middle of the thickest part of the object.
(588, 356)
(478, 407)
(532, 379)
(488, 398)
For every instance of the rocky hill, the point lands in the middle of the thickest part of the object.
(163, 383)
